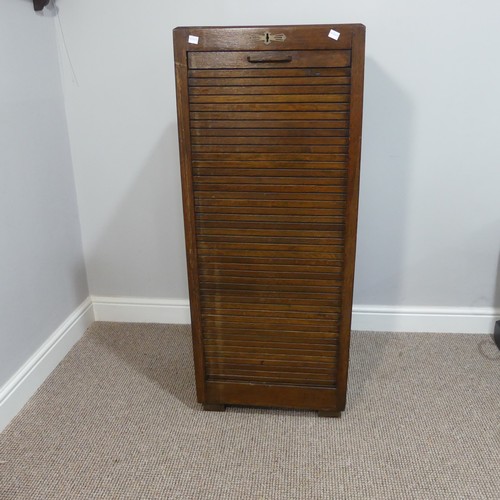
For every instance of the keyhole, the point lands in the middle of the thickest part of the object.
(267, 38)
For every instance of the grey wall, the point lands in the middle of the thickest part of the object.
(429, 231)
(42, 274)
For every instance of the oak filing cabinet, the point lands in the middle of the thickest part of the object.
(270, 137)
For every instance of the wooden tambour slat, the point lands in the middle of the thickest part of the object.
(267, 353)
(255, 378)
(270, 189)
(281, 82)
(260, 219)
(266, 287)
(237, 347)
(210, 123)
(272, 281)
(215, 309)
(287, 295)
(252, 310)
(322, 339)
(219, 368)
(281, 331)
(269, 211)
(266, 151)
(226, 170)
(268, 72)
(230, 262)
(294, 367)
(244, 202)
(211, 239)
(270, 140)
(278, 336)
(210, 275)
(271, 133)
(275, 165)
(269, 115)
(266, 239)
(245, 99)
(268, 148)
(260, 156)
(204, 180)
(259, 107)
(258, 59)
(283, 247)
(334, 87)
(221, 364)
(311, 272)
(271, 337)
(257, 195)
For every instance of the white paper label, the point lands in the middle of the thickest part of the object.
(334, 34)
(193, 39)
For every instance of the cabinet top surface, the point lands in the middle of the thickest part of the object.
(261, 26)
(267, 37)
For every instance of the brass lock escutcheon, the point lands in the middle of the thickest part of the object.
(267, 37)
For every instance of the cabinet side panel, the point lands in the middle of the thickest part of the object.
(358, 60)
(181, 80)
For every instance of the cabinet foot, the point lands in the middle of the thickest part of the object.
(214, 407)
(329, 413)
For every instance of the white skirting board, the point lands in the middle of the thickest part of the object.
(22, 385)
(140, 310)
(425, 319)
(364, 318)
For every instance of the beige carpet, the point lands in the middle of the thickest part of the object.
(118, 419)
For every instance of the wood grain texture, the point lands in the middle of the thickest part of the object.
(328, 88)
(269, 134)
(269, 59)
(358, 49)
(269, 72)
(298, 37)
(180, 49)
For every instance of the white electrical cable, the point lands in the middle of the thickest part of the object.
(64, 43)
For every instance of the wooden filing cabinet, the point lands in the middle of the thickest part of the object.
(270, 136)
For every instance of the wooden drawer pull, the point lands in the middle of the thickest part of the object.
(254, 59)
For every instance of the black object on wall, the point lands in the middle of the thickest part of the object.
(40, 4)
(496, 335)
